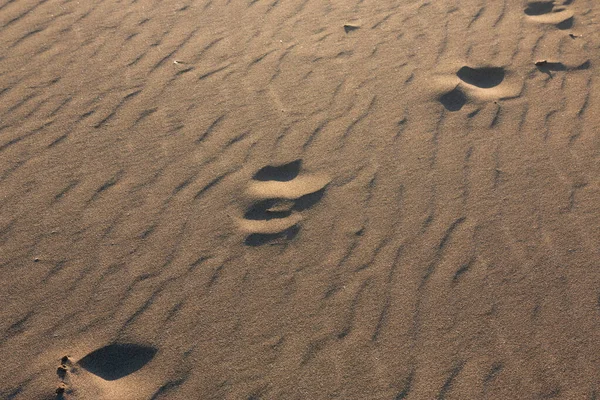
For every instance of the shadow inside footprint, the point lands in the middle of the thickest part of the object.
(259, 239)
(545, 9)
(116, 361)
(539, 7)
(308, 200)
(268, 209)
(566, 24)
(486, 77)
(453, 100)
(281, 173)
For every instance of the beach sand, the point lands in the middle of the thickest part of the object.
(300, 199)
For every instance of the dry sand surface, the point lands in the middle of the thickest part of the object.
(299, 199)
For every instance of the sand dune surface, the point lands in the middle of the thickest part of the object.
(300, 199)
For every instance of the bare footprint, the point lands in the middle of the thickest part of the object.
(62, 372)
(269, 227)
(454, 100)
(535, 8)
(547, 12)
(267, 210)
(485, 77)
(293, 189)
(258, 239)
(282, 173)
(96, 374)
(478, 84)
(278, 195)
(116, 361)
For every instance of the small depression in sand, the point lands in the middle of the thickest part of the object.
(281, 173)
(546, 12)
(486, 77)
(116, 361)
(539, 8)
(279, 195)
(478, 84)
(454, 100)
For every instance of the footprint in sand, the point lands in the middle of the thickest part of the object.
(116, 361)
(277, 196)
(485, 77)
(547, 12)
(454, 100)
(62, 371)
(477, 84)
(108, 363)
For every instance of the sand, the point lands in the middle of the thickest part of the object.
(300, 199)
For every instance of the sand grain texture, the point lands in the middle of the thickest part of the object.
(225, 199)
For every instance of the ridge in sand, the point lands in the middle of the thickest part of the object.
(299, 199)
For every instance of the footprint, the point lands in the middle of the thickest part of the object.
(62, 371)
(546, 12)
(454, 100)
(293, 189)
(282, 173)
(269, 209)
(539, 8)
(308, 200)
(95, 374)
(486, 77)
(269, 227)
(278, 195)
(116, 361)
(258, 239)
(479, 84)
